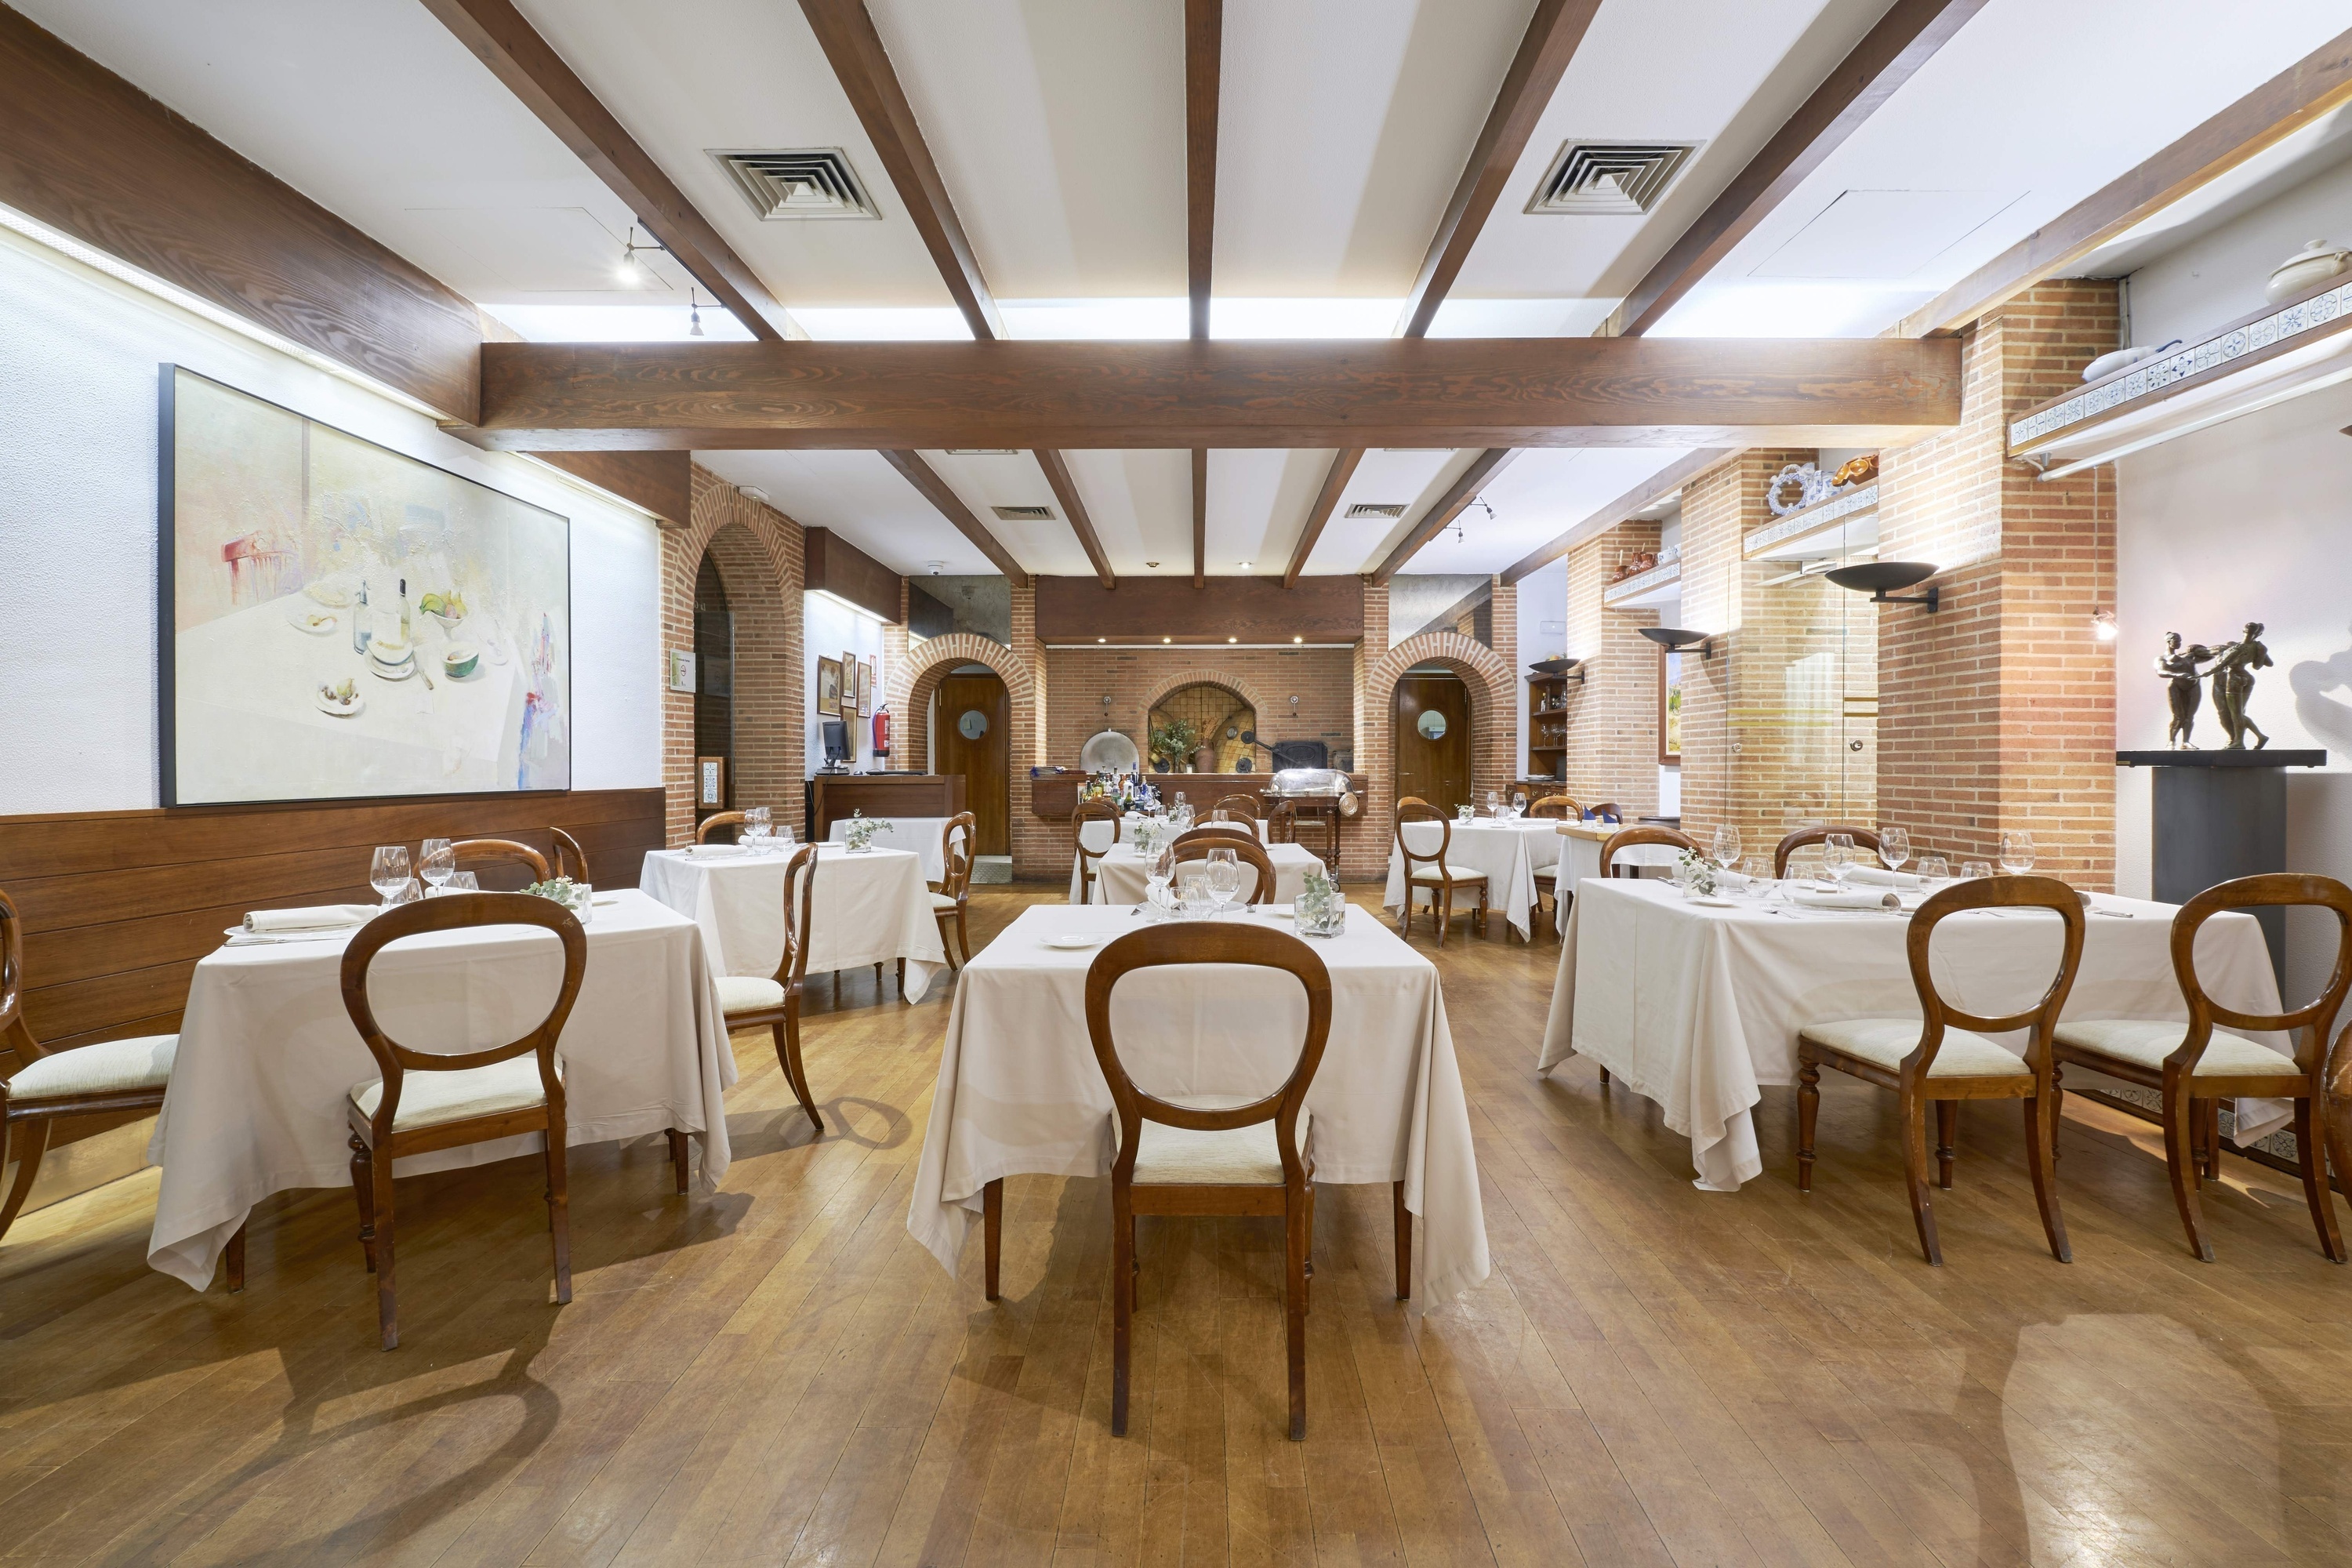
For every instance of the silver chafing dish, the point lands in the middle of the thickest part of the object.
(1316, 784)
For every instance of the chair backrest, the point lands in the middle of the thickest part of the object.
(956, 840)
(1863, 839)
(1403, 801)
(1227, 831)
(1099, 808)
(1208, 942)
(714, 822)
(1411, 809)
(1609, 809)
(800, 886)
(1557, 805)
(2272, 891)
(1247, 805)
(1282, 823)
(394, 1060)
(1989, 892)
(570, 860)
(1196, 845)
(1626, 837)
(14, 1033)
(490, 852)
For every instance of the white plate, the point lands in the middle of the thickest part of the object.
(334, 598)
(392, 672)
(319, 701)
(299, 620)
(1074, 940)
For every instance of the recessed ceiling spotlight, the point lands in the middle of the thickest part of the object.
(1298, 639)
(1167, 639)
(1102, 640)
(1232, 639)
(1152, 565)
(1245, 565)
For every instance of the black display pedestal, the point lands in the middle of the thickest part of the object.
(2220, 815)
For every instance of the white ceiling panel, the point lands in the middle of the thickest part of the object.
(1142, 506)
(1388, 475)
(1540, 496)
(1258, 499)
(859, 496)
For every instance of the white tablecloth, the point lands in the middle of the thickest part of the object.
(1697, 1007)
(1505, 851)
(918, 836)
(1096, 835)
(1020, 1092)
(1122, 876)
(869, 909)
(267, 1056)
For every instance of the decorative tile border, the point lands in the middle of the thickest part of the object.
(1641, 582)
(1845, 504)
(2154, 375)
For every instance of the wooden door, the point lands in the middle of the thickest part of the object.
(971, 738)
(1433, 740)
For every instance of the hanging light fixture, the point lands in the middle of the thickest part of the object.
(693, 313)
(632, 270)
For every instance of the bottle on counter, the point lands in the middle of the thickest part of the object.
(362, 633)
(405, 638)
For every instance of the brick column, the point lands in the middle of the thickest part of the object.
(1040, 849)
(1999, 709)
(1612, 714)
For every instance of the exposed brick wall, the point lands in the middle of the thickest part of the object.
(1999, 709)
(1495, 695)
(916, 669)
(1612, 714)
(758, 552)
(1135, 680)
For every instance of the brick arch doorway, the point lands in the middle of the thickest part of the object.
(741, 631)
(971, 734)
(1433, 726)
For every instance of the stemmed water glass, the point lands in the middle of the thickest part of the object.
(437, 863)
(2017, 853)
(1494, 803)
(1724, 844)
(1224, 877)
(1893, 847)
(1518, 803)
(388, 872)
(1191, 888)
(1837, 855)
(1156, 878)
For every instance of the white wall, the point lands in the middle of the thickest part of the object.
(832, 629)
(2248, 520)
(79, 357)
(2217, 277)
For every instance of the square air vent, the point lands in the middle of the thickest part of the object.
(1610, 177)
(1024, 513)
(808, 181)
(1377, 509)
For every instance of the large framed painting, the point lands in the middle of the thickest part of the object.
(338, 621)
(1669, 706)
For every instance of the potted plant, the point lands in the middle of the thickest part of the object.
(1173, 744)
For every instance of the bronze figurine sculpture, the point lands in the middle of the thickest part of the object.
(2179, 665)
(2233, 684)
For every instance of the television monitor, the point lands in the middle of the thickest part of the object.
(836, 740)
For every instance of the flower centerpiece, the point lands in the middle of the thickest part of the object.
(577, 897)
(1319, 909)
(1695, 875)
(861, 831)
(1149, 837)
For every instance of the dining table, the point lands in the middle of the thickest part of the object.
(1095, 833)
(1123, 875)
(1509, 850)
(870, 906)
(268, 1056)
(1696, 1004)
(1020, 1092)
(921, 837)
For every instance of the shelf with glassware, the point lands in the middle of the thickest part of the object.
(1548, 726)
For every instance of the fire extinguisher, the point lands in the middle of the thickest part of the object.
(882, 731)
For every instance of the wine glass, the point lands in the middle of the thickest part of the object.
(1494, 803)
(437, 862)
(1518, 803)
(1893, 847)
(1156, 878)
(388, 872)
(1837, 857)
(1934, 869)
(2017, 853)
(1726, 844)
(1224, 878)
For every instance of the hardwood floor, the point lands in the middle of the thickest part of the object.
(779, 1374)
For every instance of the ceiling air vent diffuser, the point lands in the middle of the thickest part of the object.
(808, 181)
(1377, 509)
(1024, 513)
(1609, 176)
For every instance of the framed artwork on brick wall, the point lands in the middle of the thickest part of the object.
(828, 687)
(1669, 706)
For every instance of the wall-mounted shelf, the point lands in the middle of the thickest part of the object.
(1843, 525)
(2275, 354)
(1644, 589)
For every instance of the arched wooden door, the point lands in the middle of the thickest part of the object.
(1432, 730)
(971, 737)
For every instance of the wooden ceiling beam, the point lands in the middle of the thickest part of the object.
(1065, 490)
(1204, 32)
(1335, 481)
(845, 31)
(2319, 82)
(94, 158)
(1649, 491)
(1905, 39)
(1434, 391)
(1553, 33)
(1200, 517)
(1449, 506)
(499, 36)
(935, 490)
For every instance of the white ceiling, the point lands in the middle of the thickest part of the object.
(1058, 127)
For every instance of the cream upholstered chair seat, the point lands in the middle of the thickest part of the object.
(748, 994)
(1430, 874)
(941, 901)
(2147, 1044)
(1885, 1042)
(430, 1098)
(110, 1067)
(1239, 1156)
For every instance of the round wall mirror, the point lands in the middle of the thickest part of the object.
(1431, 724)
(972, 725)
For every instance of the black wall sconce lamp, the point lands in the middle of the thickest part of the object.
(1875, 577)
(1569, 667)
(1676, 637)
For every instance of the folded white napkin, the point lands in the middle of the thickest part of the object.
(1734, 879)
(1877, 877)
(318, 917)
(718, 851)
(1813, 901)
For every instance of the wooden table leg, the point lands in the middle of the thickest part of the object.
(991, 1225)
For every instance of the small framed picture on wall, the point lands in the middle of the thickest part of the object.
(866, 686)
(828, 687)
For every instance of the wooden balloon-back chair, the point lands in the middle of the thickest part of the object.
(1551, 807)
(1257, 1148)
(570, 860)
(1248, 806)
(1863, 839)
(1626, 837)
(752, 1002)
(471, 853)
(1196, 845)
(1944, 1058)
(2194, 1066)
(1098, 809)
(1425, 871)
(714, 822)
(954, 894)
(1557, 806)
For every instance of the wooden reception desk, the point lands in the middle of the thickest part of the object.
(834, 797)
